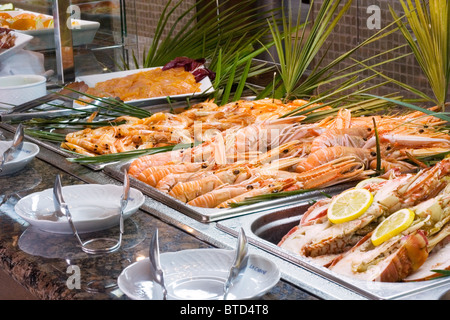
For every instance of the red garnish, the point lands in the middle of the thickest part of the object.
(196, 67)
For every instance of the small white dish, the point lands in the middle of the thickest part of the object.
(21, 88)
(94, 207)
(92, 80)
(28, 152)
(199, 274)
(21, 41)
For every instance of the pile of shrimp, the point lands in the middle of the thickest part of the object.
(198, 123)
(283, 154)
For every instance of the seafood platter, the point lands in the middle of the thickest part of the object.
(337, 184)
(349, 197)
(363, 250)
(301, 227)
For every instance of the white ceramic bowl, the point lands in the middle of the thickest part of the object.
(28, 152)
(94, 207)
(18, 89)
(199, 274)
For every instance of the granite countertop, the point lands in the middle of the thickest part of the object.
(41, 262)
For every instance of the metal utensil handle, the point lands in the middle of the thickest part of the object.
(69, 93)
(239, 264)
(72, 225)
(156, 270)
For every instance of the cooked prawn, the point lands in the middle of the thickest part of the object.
(215, 197)
(355, 137)
(153, 175)
(325, 155)
(186, 191)
(168, 182)
(268, 187)
(140, 164)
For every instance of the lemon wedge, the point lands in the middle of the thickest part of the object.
(365, 182)
(392, 226)
(349, 205)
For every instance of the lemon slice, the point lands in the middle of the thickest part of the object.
(365, 182)
(392, 226)
(349, 205)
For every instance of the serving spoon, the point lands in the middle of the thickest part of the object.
(156, 271)
(239, 265)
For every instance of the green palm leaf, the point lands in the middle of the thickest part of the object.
(200, 32)
(429, 41)
(126, 155)
(441, 115)
(298, 50)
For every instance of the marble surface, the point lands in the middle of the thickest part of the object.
(43, 263)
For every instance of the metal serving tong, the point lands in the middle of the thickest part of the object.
(240, 263)
(156, 272)
(15, 148)
(62, 207)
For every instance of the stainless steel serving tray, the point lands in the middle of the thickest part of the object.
(265, 230)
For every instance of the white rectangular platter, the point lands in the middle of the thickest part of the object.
(91, 80)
